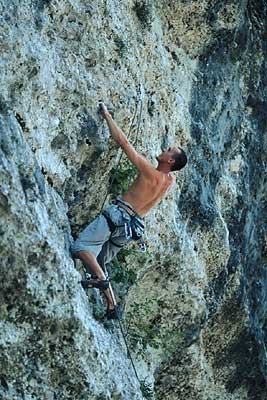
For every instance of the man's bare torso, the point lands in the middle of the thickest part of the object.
(152, 184)
(146, 191)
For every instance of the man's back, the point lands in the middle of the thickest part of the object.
(148, 189)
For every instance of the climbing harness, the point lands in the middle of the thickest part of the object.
(135, 227)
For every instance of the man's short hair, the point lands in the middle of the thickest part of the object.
(180, 160)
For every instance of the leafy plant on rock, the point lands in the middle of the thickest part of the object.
(122, 47)
(143, 10)
(121, 177)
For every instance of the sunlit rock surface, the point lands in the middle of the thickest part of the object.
(196, 315)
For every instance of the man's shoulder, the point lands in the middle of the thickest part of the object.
(149, 168)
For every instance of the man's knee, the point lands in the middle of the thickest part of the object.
(83, 253)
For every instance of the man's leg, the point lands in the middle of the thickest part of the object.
(107, 253)
(90, 243)
(94, 268)
(91, 264)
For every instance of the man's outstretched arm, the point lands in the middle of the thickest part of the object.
(115, 131)
(141, 163)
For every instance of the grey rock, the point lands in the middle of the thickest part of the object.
(195, 317)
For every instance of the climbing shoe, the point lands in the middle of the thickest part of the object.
(114, 314)
(95, 283)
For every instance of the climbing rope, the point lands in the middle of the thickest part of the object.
(144, 386)
(128, 350)
(137, 115)
(138, 102)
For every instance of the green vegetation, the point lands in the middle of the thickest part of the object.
(122, 276)
(121, 273)
(144, 328)
(97, 311)
(121, 177)
(143, 10)
(122, 47)
(141, 331)
(147, 390)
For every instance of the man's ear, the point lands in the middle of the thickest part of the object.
(171, 161)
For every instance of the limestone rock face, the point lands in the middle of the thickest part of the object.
(194, 74)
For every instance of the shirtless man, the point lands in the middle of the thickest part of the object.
(107, 234)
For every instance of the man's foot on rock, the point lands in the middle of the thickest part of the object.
(95, 283)
(114, 313)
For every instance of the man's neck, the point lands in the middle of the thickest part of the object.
(163, 168)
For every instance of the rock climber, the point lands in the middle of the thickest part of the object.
(122, 221)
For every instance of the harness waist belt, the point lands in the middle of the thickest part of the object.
(127, 208)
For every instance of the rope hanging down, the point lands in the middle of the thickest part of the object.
(144, 386)
(138, 114)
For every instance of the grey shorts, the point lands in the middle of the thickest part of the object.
(98, 239)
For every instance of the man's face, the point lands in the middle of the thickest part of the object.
(167, 154)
